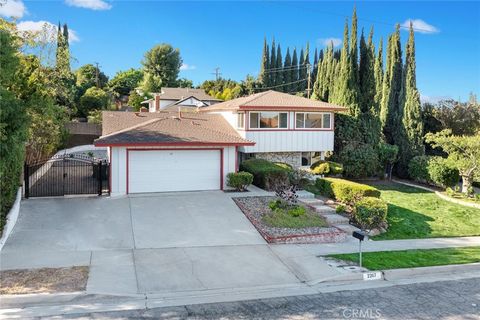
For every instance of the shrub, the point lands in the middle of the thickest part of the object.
(370, 212)
(345, 191)
(296, 211)
(298, 178)
(266, 174)
(284, 165)
(442, 173)
(359, 160)
(239, 180)
(326, 167)
(340, 208)
(418, 169)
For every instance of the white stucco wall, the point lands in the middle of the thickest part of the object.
(118, 165)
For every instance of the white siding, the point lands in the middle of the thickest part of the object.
(118, 166)
(231, 118)
(289, 141)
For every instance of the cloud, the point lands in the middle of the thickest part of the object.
(419, 26)
(185, 67)
(328, 41)
(50, 28)
(89, 4)
(12, 8)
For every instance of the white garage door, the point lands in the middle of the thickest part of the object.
(173, 170)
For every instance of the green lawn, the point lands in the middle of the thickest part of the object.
(281, 219)
(415, 213)
(383, 260)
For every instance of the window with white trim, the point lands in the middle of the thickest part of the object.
(240, 120)
(313, 120)
(268, 120)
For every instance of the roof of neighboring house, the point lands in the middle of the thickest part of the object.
(182, 93)
(166, 128)
(273, 100)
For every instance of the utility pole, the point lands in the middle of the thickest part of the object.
(217, 73)
(309, 76)
(96, 75)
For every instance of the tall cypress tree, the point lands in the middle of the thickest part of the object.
(378, 71)
(354, 47)
(411, 108)
(63, 51)
(315, 65)
(323, 82)
(302, 74)
(273, 62)
(308, 68)
(263, 76)
(294, 72)
(287, 73)
(279, 73)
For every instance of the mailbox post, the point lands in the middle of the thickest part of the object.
(360, 236)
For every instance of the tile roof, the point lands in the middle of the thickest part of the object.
(182, 93)
(120, 128)
(273, 99)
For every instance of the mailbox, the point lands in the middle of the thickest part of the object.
(359, 235)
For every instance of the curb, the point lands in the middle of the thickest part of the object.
(11, 218)
(407, 273)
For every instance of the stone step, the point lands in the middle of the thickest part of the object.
(311, 201)
(348, 228)
(335, 219)
(323, 209)
(304, 194)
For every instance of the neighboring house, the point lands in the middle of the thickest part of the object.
(185, 151)
(284, 127)
(185, 98)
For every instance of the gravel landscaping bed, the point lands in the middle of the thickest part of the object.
(255, 208)
(44, 280)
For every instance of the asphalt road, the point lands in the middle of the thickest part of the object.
(459, 299)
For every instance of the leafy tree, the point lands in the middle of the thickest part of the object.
(263, 76)
(135, 100)
(93, 99)
(125, 81)
(184, 83)
(461, 118)
(87, 77)
(463, 152)
(387, 156)
(412, 144)
(63, 49)
(161, 66)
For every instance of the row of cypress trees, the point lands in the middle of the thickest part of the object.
(383, 102)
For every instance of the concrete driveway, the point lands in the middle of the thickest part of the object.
(159, 243)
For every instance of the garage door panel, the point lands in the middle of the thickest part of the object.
(173, 170)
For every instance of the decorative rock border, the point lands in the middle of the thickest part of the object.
(441, 195)
(309, 235)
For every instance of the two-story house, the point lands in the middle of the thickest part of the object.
(185, 151)
(173, 98)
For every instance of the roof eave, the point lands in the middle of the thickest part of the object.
(293, 108)
(169, 144)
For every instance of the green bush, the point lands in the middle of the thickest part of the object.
(266, 174)
(370, 212)
(340, 208)
(442, 173)
(359, 160)
(418, 169)
(284, 165)
(326, 167)
(239, 180)
(296, 211)
(345, 191)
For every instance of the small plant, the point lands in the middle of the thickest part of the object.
(297, 211)
(477, 197)
(450, 192)
(340, 208)
(277, 204)
(239, 180)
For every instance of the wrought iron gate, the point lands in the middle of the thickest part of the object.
(66, 174)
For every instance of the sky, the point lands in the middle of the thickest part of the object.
(229, 34)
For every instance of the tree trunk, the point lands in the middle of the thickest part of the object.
(466, 183)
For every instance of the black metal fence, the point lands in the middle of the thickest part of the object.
(67, 174)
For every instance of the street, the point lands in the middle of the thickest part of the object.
(458, 299)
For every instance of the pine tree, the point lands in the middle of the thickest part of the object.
(273, 62)
(302, 74)
(410, 112)
(263, 76)
(294, 72)
(378, 71)
(279, 70)
(391, 108)
(287, 73)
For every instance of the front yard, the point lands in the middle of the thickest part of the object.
(414, 213)
(383, 260)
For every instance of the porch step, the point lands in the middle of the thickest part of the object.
(311, 201)
(335, 219)
(348, 228)
(304, 194)
(323, 209)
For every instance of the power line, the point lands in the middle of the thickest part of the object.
(217, 73)
(280, 85)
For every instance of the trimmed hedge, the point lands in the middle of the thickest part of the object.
(239, 180)
(326, 167)
(345, 191)
(266, 175)
(370, 212)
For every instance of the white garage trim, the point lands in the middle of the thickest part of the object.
(221, 166)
